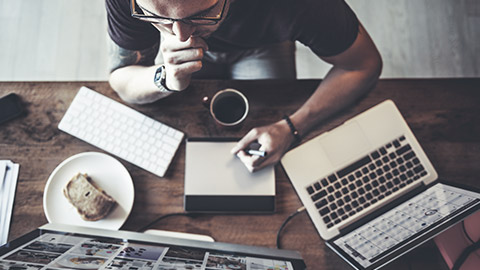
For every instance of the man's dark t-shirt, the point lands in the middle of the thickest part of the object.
(327, 27)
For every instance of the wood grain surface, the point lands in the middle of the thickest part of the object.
(444, 114)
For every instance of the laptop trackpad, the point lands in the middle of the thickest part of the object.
(345, 143)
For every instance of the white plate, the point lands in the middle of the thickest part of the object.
(107, 173)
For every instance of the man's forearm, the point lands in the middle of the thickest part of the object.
(339, 89)
(134, 84)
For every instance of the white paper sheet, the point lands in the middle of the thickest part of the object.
(7, 196)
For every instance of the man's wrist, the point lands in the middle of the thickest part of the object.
(160, 80)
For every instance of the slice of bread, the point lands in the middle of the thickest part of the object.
(91, 203)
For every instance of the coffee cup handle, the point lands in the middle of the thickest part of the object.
(206, 102)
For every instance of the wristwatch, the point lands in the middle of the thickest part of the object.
(160, 80)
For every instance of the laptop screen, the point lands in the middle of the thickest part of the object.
(81, 248)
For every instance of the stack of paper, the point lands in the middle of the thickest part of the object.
(8, 183)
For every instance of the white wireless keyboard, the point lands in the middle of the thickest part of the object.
(122, 131)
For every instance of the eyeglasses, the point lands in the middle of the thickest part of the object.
(208, 17)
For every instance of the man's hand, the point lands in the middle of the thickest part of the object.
(181, 59)
(275, 139)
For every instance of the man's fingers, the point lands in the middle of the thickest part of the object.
(179, 57)
(245, 141)
(173, 44)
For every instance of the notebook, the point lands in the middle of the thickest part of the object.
(370, 189)
(56, 246)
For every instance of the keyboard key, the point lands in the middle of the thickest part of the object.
(358, 174)
(388, 145)
(385, 159)
(393, 164)
(382, 179)
(344, 190)
(344, 217)
(378, 163)
(382, 189)
(415, 161)
(404, 149)
(337, 185)
(344, 181)
(373, 201)
(358, 183)
(418, 169)
(333, 215)
(375, 183)
(326, 219)
(355, 204)
(361, 191)
(321, 203)
(368, 196)
(396, 144)
(333, 206)
(364, 170)
(386, 168)
(324, 211)
(402, 168)
(379, 171)
(365, 179)
(361, 200)
(340, 202)
(330, 198)
(409, 164)
(400, 160)
(375, 155)
(324, 182)
(329, 225)
(340, 211)
(351, 187)
(354, 194)
(368, 187)
(350, 178)
(354, 166)
(376, 192)
(382, 150)
(347, 199)
(410, 174)
(310, 190)
(338, 194)
(402, 138)
(392, 155)
(317, 186)
(330, 189)
(332, 178)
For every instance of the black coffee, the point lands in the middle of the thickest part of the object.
(229, 109)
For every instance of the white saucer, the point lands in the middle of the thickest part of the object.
(107, 173)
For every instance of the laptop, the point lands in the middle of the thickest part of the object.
(370, 189)
(55, 246)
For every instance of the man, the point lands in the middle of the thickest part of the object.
(248, 39)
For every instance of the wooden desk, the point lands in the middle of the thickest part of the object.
(443, 113)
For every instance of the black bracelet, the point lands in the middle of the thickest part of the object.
(292, 129)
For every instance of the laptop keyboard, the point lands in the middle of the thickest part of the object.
(377, 175)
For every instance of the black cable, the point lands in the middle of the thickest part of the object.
(165, 216)
(465, 232)
(464, 255)
(467, 251)
(298, 211)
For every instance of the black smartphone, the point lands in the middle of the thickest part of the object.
(10, 107)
